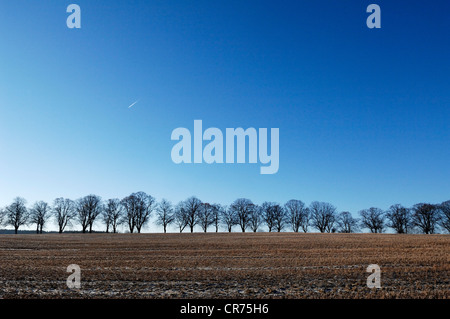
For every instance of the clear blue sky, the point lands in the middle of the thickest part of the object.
(363, 113)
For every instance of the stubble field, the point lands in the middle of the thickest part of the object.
(224, 265)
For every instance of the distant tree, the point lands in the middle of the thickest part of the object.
(39, 214)
(180, 217)
(445, 215)
(323, 216)
(217, 210)
(373, 219)
(191, 207)
(165, 214)
(16, 214)
(426, 217)
(279, 217)
(205, 215)
(137, 210)
(242, 208)
(112, 214)
(88, 209)
(255, 218)
(346, 223)
(64, 212)
(399, 218)
(228, 218)
(144, 208)
(129, 204)
(297, 215)
(268, 216)
(2, 216)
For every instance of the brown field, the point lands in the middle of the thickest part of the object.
(225, 265)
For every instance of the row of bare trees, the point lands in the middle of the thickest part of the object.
(134, 212)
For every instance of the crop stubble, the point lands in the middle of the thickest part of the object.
(224, 265)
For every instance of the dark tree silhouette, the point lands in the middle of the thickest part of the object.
(217, 209)
(138, 208)
(297, 215)
(242, 208)
(39, 215)
(445, 215)
(64, 212)
(279, 217)
(346, 223)
(373, 219)
(112, 214)
(255, 218)
(16, 214)
(205, 215)
(426, 217)
(88, 208)
(2, 216)
(164, 214)
(323, 216)
(228, 218)
(399, 218)
(180, 217)
(190, 208)
(144, 206)
(129, 204)
(268, 214)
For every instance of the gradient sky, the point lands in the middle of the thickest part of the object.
(363, 113)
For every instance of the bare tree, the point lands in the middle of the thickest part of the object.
(255, 218)
(217, 209)
(399, 218)
(39, 214)
(426, 217)
(297, 215)
(129, 204)
(267, 210)
(229, 218)
(144, 207)
(2, 216)
(138, 208)
(205, 215)
(323, 216)
(445, 215)
(88, 208)
(191, 207)
(112, 214)
(16, 214)
(373, 219)
(279, 217)
(164, 214)
(180, 217)
(242, 208)
(64, 212)
(346, 223)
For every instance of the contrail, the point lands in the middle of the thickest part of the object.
(133, 104)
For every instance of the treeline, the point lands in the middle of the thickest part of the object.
(135, 211)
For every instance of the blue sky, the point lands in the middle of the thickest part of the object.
(363, 113)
